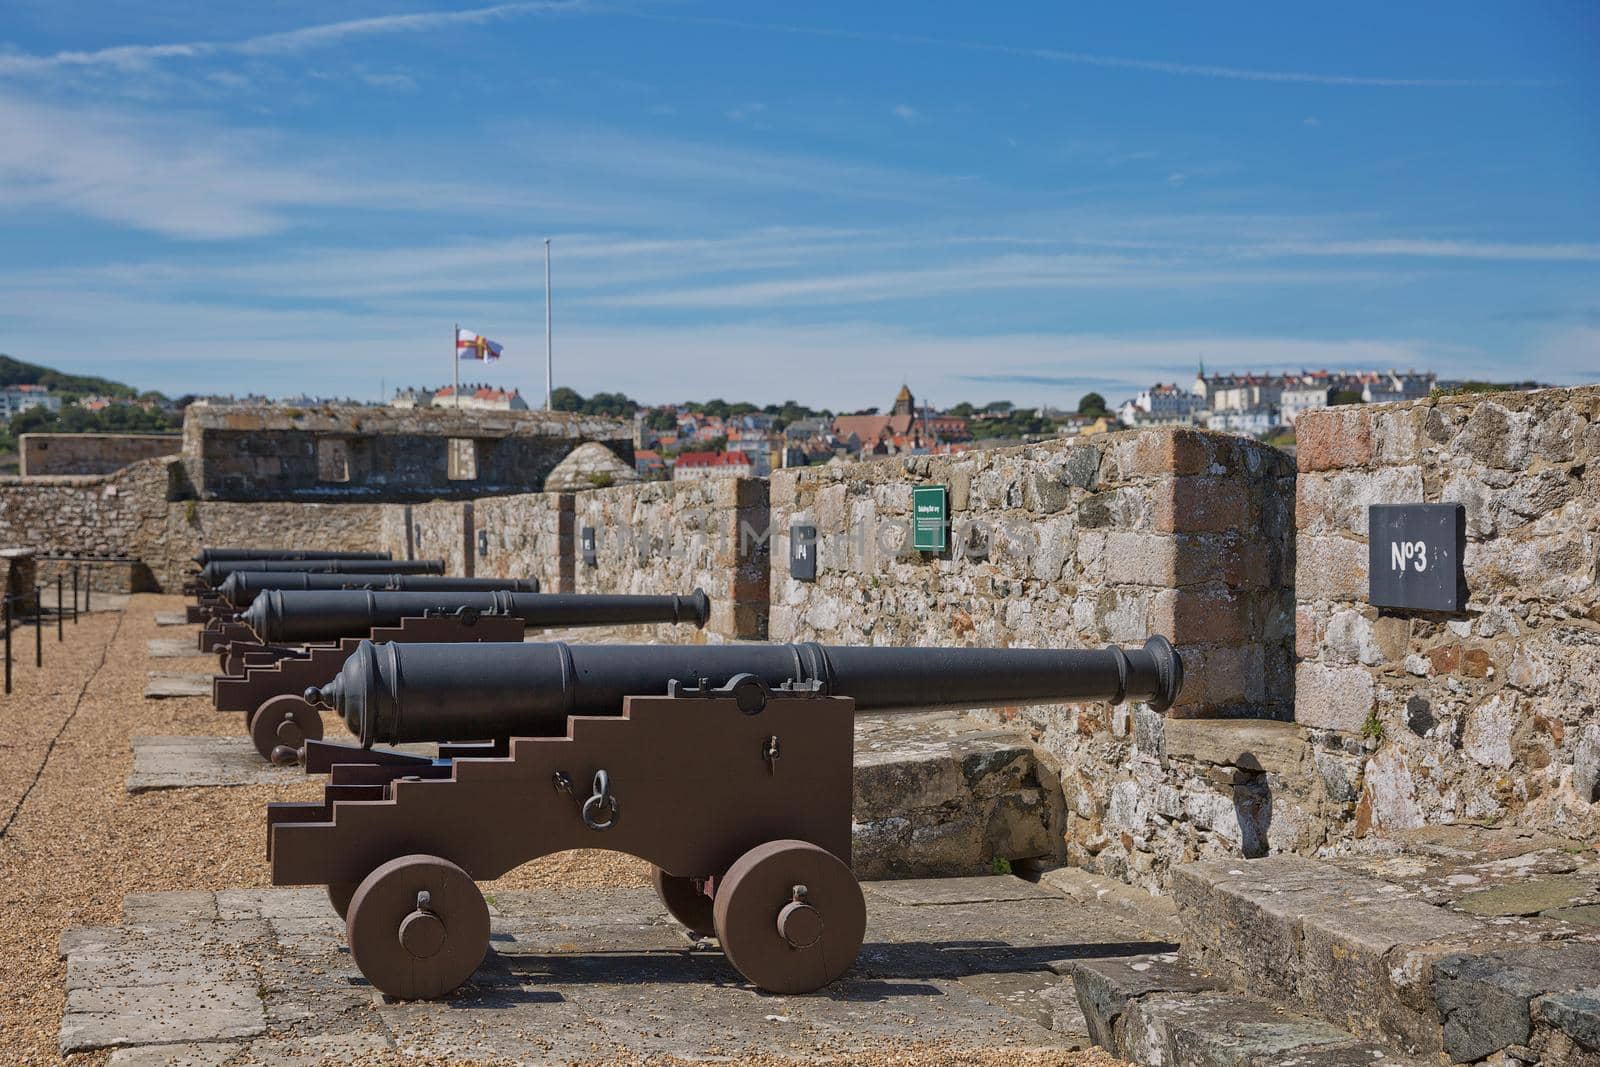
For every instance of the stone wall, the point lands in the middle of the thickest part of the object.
(1110, 539)
(1487, 715)
(135, 513)
(526, 536)
(1114, 538)
(381, 454)
(45, 454)
(670, 537)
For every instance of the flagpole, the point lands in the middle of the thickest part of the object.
(455, 358)
(549, 392)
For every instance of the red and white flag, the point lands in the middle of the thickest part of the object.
(471, 345)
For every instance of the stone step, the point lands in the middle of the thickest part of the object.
(1376, 959)
(940, 793)
(1161, 1012)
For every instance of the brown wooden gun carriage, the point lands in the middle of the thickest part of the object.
(729, 769)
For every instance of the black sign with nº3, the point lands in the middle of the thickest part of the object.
(1414, 556)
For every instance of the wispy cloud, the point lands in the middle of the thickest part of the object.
(307, 38)
(1433, 249)
(324, 35)
(1092, 59)
(906, 112)
(184, 177)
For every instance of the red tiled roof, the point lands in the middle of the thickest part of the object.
(695, 460)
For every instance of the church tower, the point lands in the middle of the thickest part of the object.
(903, 403)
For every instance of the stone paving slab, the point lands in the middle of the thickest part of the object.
(171, 618)
(571, 974)
(175, 648)
(163, 762)
(165, 684)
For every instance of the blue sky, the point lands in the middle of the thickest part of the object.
(812, 202)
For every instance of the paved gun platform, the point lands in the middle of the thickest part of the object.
(262, 976)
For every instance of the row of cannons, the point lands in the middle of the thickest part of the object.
(727, 768)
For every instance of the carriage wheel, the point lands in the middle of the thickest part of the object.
(790, 916)
(281, 727)
(418, 927)
(339, 894)
(683, 900)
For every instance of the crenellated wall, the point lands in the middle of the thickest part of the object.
(51, 454)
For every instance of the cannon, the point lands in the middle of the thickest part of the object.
(291, 615)
(267, 680)
(216, 572)
(241, 588)
(214, 555)
(194, 586)
(728, 769)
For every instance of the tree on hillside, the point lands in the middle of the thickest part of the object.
(1345, 396)
(1092, 405)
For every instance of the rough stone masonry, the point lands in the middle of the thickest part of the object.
(1487, 716)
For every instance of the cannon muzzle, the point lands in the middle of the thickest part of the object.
(216, 572)
(292, 615)
(396, 693)
(218, 555)
(242, 587)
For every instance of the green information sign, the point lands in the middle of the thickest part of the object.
(930, 517)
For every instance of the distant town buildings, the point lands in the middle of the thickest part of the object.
(15, 399)
(712, 465)
(1261, 403)
(473, 397)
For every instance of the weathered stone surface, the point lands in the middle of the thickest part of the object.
(1314, 934)
(171, 618)
(1577, 1014)
(1106, 987)
(1332, 698)
(105, 1016)
(1231, 1030)
(188, 762)
(1525, 898)
(589, 466)
(1484, 999)
(165, 684)
(175, 648)
(938, 794)
(576, 973)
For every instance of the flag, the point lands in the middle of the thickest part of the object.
(470, 345)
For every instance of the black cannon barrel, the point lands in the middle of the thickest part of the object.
(222, 555)
(242, 587)
(215, 573)
(291, 615)
(394, 693)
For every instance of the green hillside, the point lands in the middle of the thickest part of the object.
(16, 372)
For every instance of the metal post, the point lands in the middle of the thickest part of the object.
(88, 585)
(60, 636)
(549, 390)
(74, 594)
(7, 601)
(38, 628)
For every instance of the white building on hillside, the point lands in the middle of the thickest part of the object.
(15, 399)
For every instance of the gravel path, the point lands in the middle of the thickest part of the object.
(75, 842)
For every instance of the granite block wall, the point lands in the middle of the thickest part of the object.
(1488, 715)
(670, 537)
(1108, 539)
